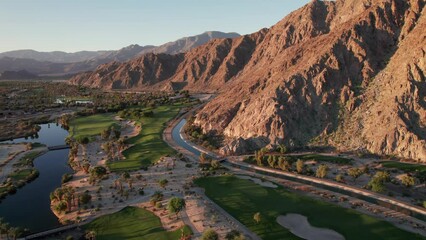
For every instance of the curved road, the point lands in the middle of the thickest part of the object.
(391, 203)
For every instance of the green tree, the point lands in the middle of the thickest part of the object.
(355, 173)
(163, 182)
(300, 166)
(210, 234)
(257, 217)
(98, 172)
(339, 178)
(234, 235)
(322, 171)
(408, 181)
(215, 164)
(176, 205)
(377, 182)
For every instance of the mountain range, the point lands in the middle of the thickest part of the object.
(59, 63)
(348, 74)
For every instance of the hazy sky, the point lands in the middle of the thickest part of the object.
(73, 25)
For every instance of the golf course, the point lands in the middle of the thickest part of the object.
(132, 223)
(243, 199)
(148, 146)
(90, 126)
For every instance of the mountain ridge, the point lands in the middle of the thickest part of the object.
(304, 81)
(58, 62)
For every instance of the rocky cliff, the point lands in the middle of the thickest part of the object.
(346, 73)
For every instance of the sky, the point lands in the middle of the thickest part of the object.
(75, 25)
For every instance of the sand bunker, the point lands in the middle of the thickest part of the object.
(299, 226)
(258, 181)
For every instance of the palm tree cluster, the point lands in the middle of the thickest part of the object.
(10, 232)
(65, 197)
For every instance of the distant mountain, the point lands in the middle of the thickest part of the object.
(349, 74)
(187, 43)
(17, 75)
(54, 57)
(57, 63)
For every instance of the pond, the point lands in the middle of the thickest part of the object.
(50, 134)
(30, 206)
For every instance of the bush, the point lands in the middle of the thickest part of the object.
(210, 234)
(66, 177)
(61, 206)
(85, 198)
(141, 192)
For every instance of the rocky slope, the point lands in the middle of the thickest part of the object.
(346, 73)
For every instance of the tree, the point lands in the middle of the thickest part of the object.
(257, 217)
(377, 183)
(355, 173)
(61, 206)
(284, 164)
(282, 148)
(176, 205)
(300, 166)
(210, 234)
(203, 158)
(163, 182)
(215, 164)
(15, 232)
(272, 161)
(98, 172)
(105, 134)
(339, 178)
(408, 181)
(234, 235)
(321, 171)
(85, 198)
(91, 235)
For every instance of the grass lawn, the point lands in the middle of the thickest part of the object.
(149, 146)
(91, 126)
(406, 167)
(132, 223)
(27, 159)
(243, 198)
(22, 174)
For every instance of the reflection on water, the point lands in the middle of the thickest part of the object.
(50, 134)
(30, 206)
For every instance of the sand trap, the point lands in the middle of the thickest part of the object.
(258, 181)
(299, 226)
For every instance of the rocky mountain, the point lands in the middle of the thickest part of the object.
(58, 63)
(187, 43)
(345, 73)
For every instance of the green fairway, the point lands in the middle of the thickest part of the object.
(91, 126)
(132, 223)
(243, 198)
(407, 167)
(149, 146)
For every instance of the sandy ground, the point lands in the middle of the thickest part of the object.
(9, 151)
(17, 152)
(200, 213)
(300, 226)
(258, 181)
